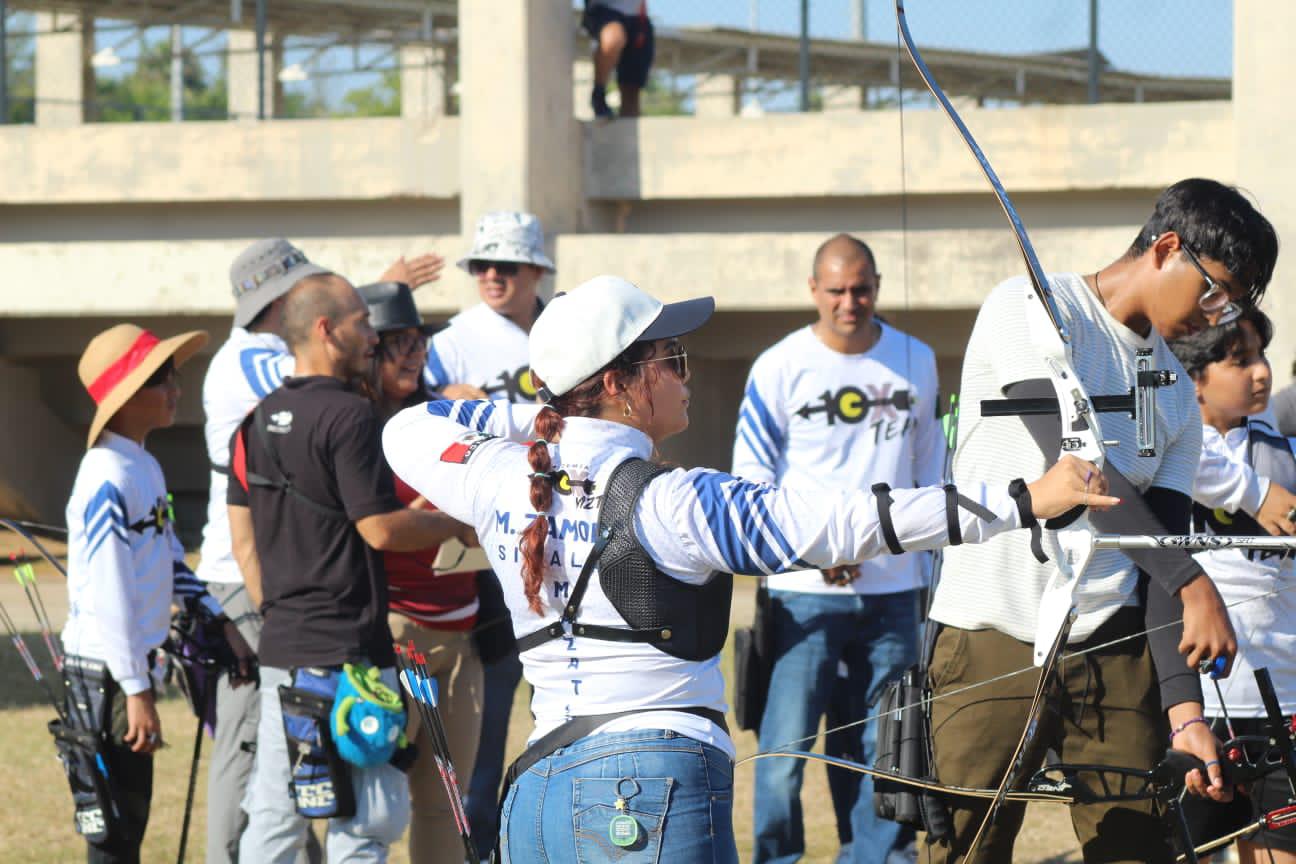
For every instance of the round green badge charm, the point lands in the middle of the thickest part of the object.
(624, 830)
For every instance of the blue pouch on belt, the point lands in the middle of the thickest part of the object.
(368, 717)
(321, 780)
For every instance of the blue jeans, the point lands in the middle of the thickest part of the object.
(678, 791)
(500, 681)
(875, 636)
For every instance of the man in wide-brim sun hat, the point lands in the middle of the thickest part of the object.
(125, 568)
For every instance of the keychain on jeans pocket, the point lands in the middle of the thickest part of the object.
(624, 830)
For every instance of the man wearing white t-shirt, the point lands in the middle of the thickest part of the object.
(483, 354)
(845, 403)
(251, 364)
(1204, 250)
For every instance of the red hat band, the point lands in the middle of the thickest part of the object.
(122, 366)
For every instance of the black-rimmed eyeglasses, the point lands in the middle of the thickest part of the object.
(1215, 300)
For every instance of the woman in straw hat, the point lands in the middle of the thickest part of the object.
(631, 752)
(125, 568)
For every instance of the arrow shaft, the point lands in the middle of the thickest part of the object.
(1195, 542)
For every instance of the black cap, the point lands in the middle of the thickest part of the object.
(391, 307)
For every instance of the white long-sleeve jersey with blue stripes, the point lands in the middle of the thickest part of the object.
(468, 459)
(125, 564)
(814, 418)
(245, 370)
(484, 349)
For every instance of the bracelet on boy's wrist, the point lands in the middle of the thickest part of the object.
(1184, 725)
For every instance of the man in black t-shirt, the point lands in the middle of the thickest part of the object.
(311, 508)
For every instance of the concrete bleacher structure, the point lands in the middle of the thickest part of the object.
(103, 222)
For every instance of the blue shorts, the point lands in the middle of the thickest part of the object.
(678, 791)
(636, 60)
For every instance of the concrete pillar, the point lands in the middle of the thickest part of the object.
(64, 76)
(241, 79)
(40, 453)
(843, 98)
(1262, 79)
(423, 82)
(717, 96)
(582, 83)
(521, 144)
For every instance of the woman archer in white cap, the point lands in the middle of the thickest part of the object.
(630, 750)
(125, 569)
(482, 354)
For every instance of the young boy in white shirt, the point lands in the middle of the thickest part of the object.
(125, 569)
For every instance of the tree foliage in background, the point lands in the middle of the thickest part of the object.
(378, 100)
(145, 93)
(21, 76)
(308, 99)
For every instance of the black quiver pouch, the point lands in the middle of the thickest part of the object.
(754, 663)
(320, 783)
(94, 814)
(904, 748)
(80, 743)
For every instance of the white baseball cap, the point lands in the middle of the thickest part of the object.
(580, 332)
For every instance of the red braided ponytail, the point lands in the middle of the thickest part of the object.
(548, 428)
(583, 400)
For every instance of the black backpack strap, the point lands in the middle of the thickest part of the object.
(283, 483)
(556, 630)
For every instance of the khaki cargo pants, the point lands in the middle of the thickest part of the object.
(1102, 709)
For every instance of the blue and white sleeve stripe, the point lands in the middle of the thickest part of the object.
(473, 414)
(189, 592)
(436, 374)
(105, 516)
(261, 368)
(739, 521)
(759, 440)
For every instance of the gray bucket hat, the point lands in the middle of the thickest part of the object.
(264, 272)
(508, 235)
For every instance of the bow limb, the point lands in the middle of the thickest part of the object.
(917, 783)
(1072, 546)
(22, 532)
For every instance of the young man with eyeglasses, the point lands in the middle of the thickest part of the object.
(1204, 252)
(483, 354)
(845, 403)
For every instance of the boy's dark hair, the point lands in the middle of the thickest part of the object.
(1218, 222)
(1214, 344)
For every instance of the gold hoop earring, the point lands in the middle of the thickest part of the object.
(626, 412)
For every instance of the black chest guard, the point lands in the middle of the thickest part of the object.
(690, 622)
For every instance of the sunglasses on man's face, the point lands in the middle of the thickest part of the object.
(501, 268)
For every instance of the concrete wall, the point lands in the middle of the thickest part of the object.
(140, 221)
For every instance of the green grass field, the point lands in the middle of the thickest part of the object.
(36, 819)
